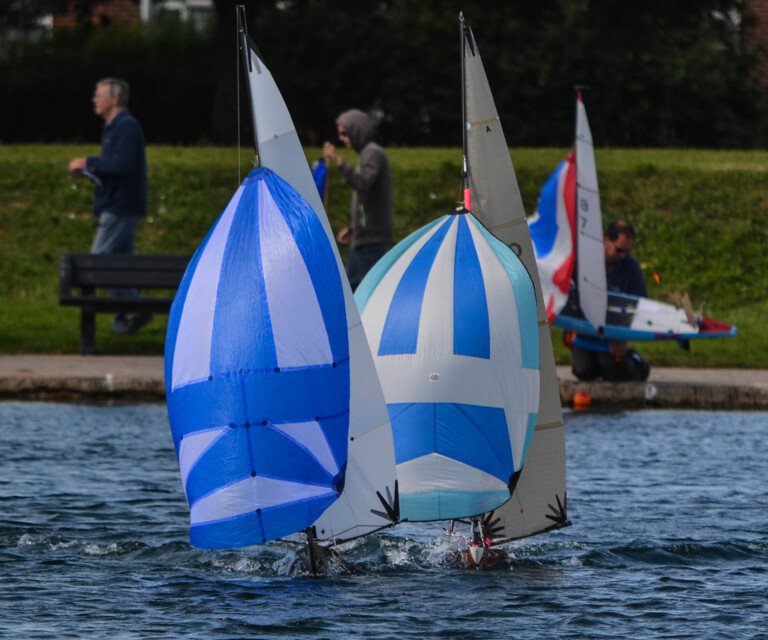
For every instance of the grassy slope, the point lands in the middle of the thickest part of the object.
(701, 218)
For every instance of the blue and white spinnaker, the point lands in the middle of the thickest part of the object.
(258, 371)
(276, 411)
(450, 313)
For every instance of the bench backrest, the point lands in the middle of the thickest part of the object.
(89, 271)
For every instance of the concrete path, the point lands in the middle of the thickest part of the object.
(675, 387)
(95, 378)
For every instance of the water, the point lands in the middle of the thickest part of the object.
(669, 540)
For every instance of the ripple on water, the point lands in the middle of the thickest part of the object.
(666, 542)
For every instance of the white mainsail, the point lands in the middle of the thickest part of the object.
(497, 203)
(590, 254)
(371, 464)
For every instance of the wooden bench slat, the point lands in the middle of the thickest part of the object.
(127, 279)
(84, 280)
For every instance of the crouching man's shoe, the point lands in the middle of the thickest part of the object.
(136, 321)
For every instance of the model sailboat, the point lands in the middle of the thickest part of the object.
(568, 237)
(458, 333)
(539, 503)
(276, 411)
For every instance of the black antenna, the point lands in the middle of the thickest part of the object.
(244, 43)
(465, 168)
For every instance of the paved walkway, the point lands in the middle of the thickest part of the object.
(81, 378)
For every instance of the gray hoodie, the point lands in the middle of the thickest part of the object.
(370, 218)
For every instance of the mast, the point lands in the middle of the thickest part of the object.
(467, 196)
(244, 40)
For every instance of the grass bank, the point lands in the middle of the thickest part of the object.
(700, 215)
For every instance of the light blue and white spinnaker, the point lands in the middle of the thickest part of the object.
(257, 370)
(450, 314)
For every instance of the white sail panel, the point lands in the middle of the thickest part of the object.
(251, 494)
(193, 447)
(436, 472)
(375, 311)
(590, 254)
(467, 381)
(301, 338)
(437, 306)
(278, 142)
(192, 355)
(310, 436)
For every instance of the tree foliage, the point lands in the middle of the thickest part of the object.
(660, 73)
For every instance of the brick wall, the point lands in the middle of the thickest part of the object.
(755, 35)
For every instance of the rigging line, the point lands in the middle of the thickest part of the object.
(237, 96)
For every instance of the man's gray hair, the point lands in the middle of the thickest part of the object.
(117, 89)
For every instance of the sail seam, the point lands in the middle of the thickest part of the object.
(549, 425)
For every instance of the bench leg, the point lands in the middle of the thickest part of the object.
(87, 332)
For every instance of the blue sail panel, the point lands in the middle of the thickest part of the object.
(257, 526)
(260, 412)
(401, 330)
(525, 298)
(475, 436)
(438, 505)
(379, 270)
(472, 335)
(544, 227)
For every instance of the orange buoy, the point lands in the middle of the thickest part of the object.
(582, 401)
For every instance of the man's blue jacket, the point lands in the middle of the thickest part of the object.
(121, 168)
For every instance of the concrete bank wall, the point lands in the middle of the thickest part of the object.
(140, 378)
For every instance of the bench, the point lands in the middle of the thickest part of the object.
(85, 277)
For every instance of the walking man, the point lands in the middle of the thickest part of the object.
(120, 176)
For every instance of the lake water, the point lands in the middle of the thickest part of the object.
(669, 539)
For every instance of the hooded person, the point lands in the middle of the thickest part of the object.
(370, 220)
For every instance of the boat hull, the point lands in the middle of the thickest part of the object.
(636, 319)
